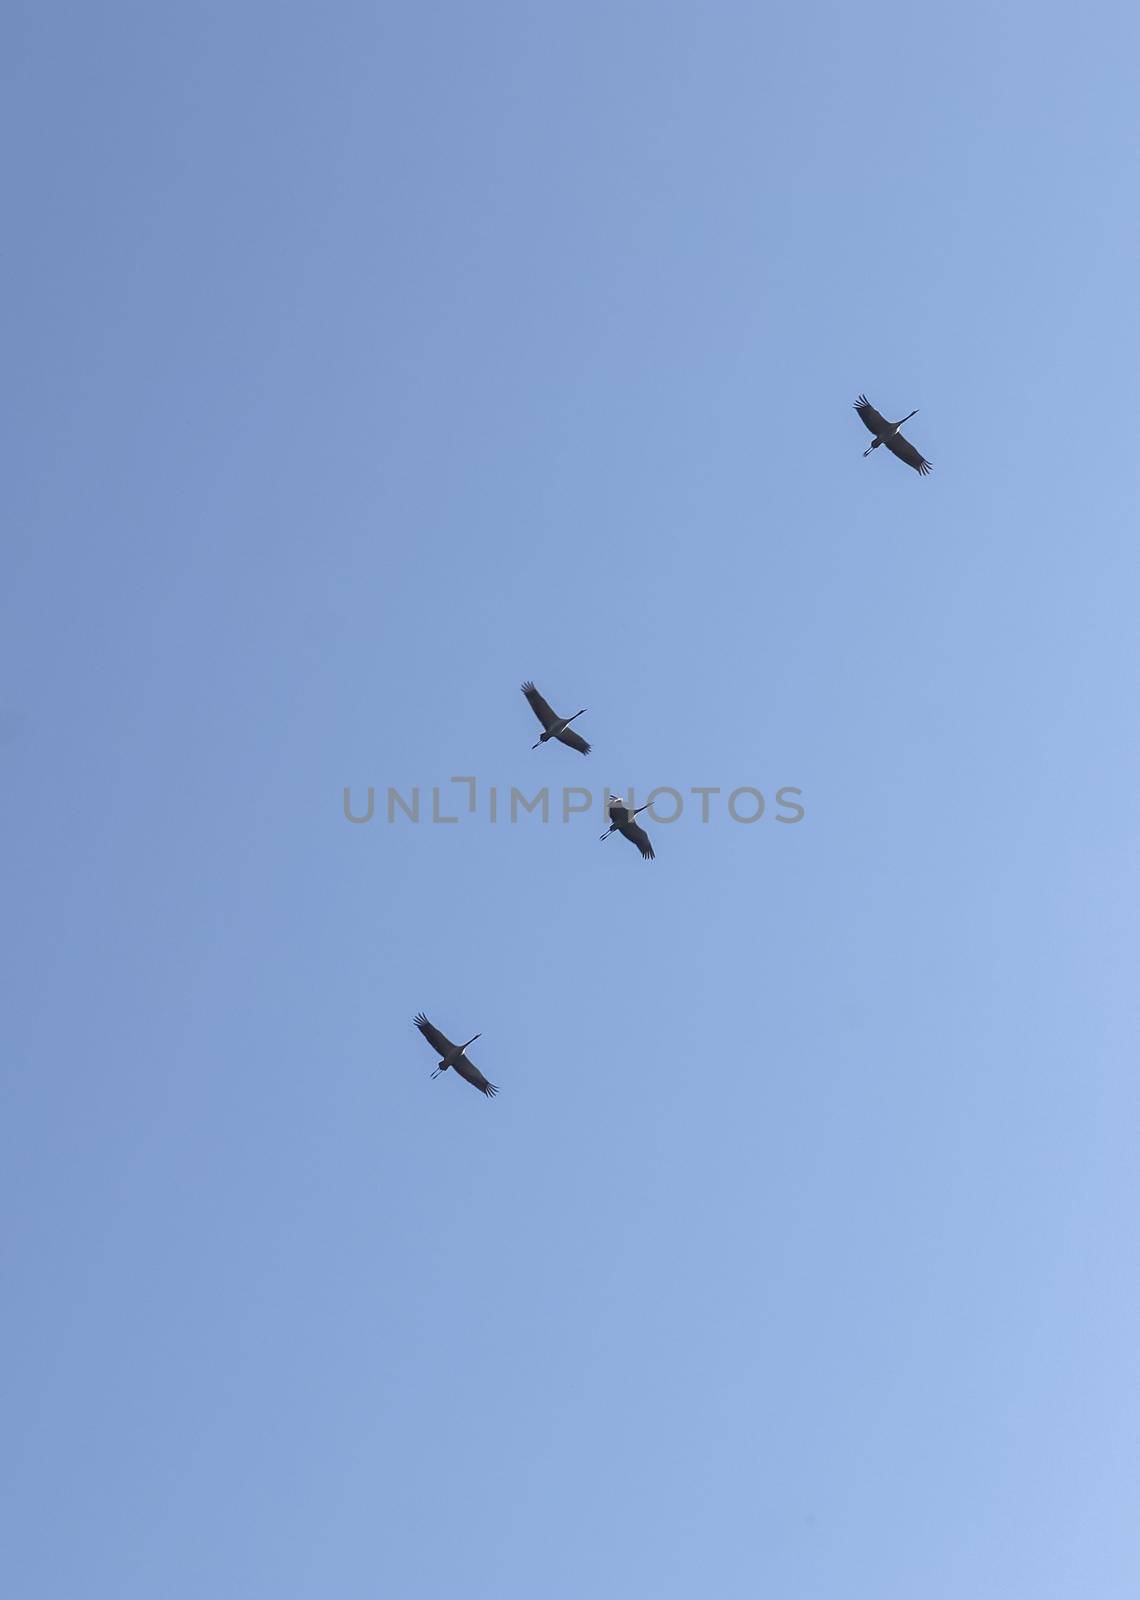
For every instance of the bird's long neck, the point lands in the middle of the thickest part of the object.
(907, 418)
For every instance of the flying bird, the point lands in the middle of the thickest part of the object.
(621, 821)
(888, 433)
(554, 727)
(454, 1055)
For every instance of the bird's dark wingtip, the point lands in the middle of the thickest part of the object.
(419, 1020)
(528, 687)
(491, 1090)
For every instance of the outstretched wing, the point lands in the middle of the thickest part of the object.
(468, 1069)
(538, 705)
(871, 419)
(574, 740)
(439, 1042)
(905, 451)
(637, 835)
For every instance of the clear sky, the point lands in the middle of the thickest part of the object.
(362, 361)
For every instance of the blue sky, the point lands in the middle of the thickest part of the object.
(361, 365)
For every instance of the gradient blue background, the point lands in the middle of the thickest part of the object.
(360, 362)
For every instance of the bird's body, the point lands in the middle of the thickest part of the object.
(454, 1055)
(621, 821)
(888, 433)
(554, 726)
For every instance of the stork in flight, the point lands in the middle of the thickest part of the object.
(554, 727)
(888, 433)
(621, 821)
(454, 1055)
